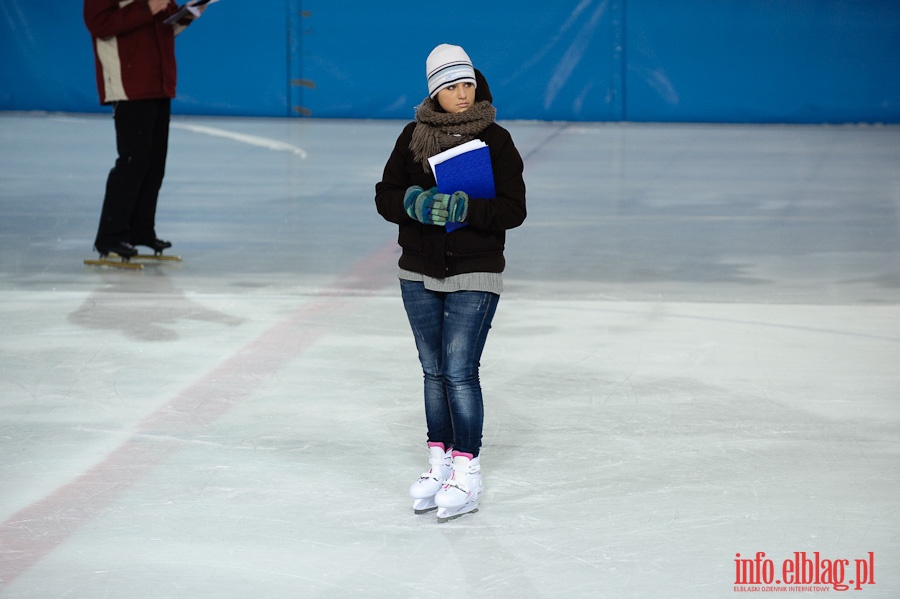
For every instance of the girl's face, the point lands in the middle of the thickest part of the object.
(457, 98)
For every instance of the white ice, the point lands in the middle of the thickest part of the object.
(697, 355)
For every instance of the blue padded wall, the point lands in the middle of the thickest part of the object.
(791, 61)
(543, 60)
(763, 60)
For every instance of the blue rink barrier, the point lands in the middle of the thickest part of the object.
(792, 61)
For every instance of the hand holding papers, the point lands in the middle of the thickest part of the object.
(466, 167)
(194, 8)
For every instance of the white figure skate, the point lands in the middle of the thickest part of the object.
(423, 490)
(461, 493)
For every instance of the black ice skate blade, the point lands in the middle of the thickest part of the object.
(425, 511)
(455, 516)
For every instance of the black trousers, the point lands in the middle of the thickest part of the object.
(132, 188)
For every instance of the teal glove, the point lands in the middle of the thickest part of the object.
(427, 207)
(457, 207)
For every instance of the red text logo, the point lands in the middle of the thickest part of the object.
(802, 572)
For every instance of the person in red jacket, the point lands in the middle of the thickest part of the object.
(451, 281)
(134, 56)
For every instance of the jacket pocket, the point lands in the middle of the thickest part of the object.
(410, 237)
(470, 241)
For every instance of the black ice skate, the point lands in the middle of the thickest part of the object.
(125, 256)
(116, 255)
(157, 245)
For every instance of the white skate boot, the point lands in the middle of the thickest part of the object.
(460, 495)
(423, 490)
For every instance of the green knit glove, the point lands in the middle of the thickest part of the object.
(457, 207)
(427, 207)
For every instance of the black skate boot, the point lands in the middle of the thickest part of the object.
(157, 245)
(123, 249)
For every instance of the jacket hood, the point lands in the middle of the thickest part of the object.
(482, 89)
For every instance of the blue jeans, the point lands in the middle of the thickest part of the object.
(450, 331)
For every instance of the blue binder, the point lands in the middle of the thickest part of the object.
(467, 168)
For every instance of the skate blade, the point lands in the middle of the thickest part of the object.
(448, 514)
(158, 257)
(424, 506)
(123, 264)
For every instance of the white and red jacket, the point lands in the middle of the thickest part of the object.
(134, 50)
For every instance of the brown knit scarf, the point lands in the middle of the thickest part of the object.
(437, 131)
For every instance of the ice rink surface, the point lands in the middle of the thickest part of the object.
(697, 355)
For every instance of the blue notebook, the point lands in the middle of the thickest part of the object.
(467, 167)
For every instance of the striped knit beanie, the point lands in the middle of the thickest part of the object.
(446, 66)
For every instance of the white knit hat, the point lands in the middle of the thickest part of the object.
(447, 65)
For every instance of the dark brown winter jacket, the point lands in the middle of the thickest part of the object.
(478, 247)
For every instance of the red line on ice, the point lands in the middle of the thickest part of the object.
(36, 530)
